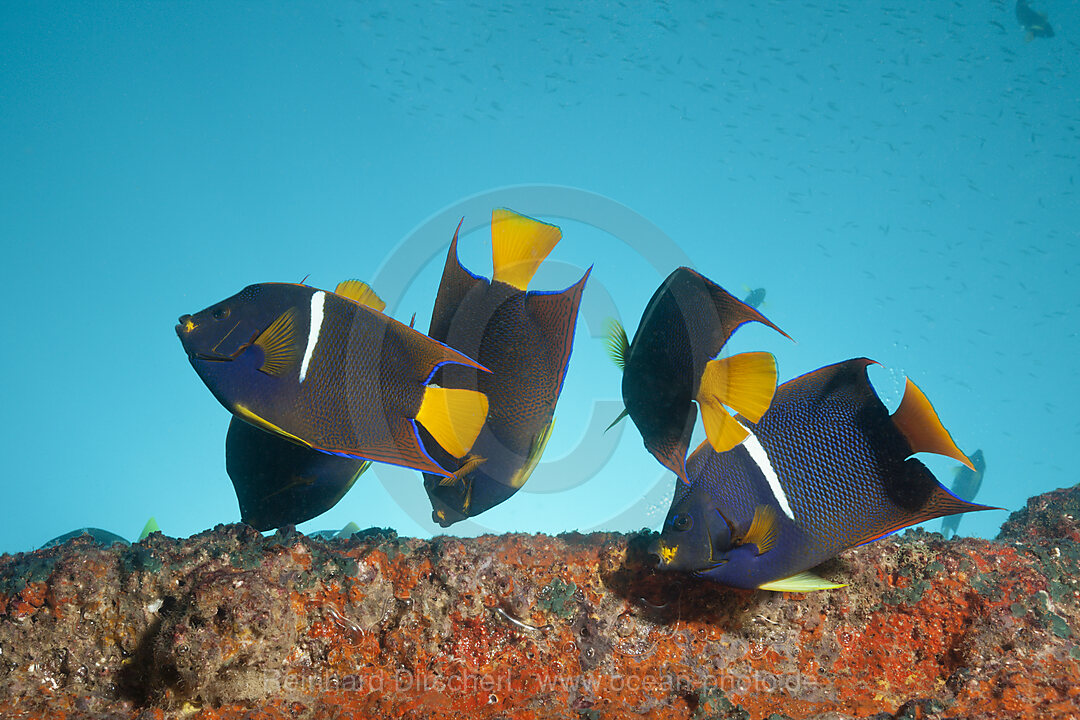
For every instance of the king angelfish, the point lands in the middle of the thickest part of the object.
(672, 362)
(524, 338)
(826, 468)
(328, 372)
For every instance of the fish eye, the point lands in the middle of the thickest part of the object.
(221, 313)
(682, 522)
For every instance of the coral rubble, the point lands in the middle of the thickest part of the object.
(231, 624)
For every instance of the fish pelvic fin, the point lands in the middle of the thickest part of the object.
(278, 343)
(802, 582)
(360, 292)
(536, 451)
(920, 425)
(453, 416)
(617, 345)
(518, 245)
(763, 529)
(251, 418)
(746, 383)
(471, 463)
(616, 421)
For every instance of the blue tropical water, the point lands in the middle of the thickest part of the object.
(900, 178)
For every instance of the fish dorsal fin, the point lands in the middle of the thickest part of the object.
(616, 421)
(278, 343)
(360, 292)
(746, 383)
(920, 425)
(518, 245)
(617, 345)
(453, 416)
(471, 463)
(536, 450)
(802, 582)
(151, 526)
(763, 529)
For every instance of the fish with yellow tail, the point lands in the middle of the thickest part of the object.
(329, 372)
(826, 468)
(524, 337)
(672, 362)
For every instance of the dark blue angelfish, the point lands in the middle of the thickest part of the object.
(826, 468)
(524, 338)
(672, 362)
(331, 373)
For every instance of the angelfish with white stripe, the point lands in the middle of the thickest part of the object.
(826, 468)
(330, 372)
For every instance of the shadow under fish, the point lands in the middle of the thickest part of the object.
(825, 469)
(672, 362)
(524, 338)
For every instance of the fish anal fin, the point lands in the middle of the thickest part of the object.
(763, 529)
(278, 343)
(920, 425)
(360, 292)
(617, 344)
(802, 582)
(453, 416)
(518, 245)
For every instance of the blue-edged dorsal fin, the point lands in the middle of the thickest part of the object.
(920, 425)
(360, 292)
(278, 343)
(518, 245)
(802, 582)
(763, 529)
(618, 347)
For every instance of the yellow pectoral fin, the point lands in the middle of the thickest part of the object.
(763, 529)
(518, 245)
(454, 417)
(360, 292)
(724, 432)
(802, 582)
(278, 343)
(251, 418)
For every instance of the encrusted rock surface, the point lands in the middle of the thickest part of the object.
(229, 624)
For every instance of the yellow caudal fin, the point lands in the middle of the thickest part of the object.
(746, 383)
(360, 292)
(454, 417)
(802, 582)
(763, 529)
(917, 421)
(278, 343)
(518, 245)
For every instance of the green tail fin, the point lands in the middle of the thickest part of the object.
(617, 344)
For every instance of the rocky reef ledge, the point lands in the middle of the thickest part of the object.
(229, 624)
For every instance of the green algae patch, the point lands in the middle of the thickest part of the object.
(556, 597)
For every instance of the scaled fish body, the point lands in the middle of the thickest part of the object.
(825, 469)
(670, 364)
(279, 482)
(524, 338)
(965, 486)
(1035, 24)
(330, 373)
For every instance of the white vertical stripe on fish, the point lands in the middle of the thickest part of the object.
(761, 458)
(318, 298)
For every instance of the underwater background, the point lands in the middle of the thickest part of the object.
(899, 177)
